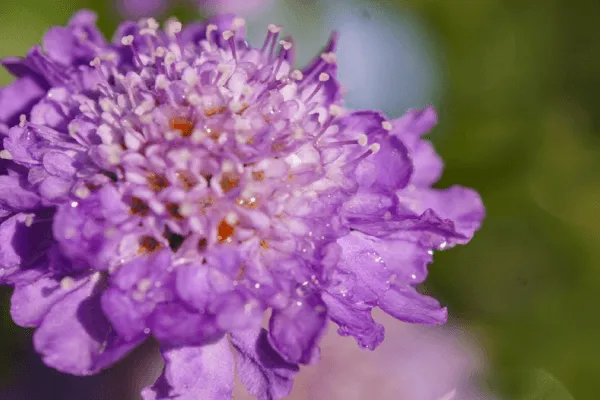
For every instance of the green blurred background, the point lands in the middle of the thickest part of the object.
(516, 85)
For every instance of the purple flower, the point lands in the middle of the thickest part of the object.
(181, 184)
(146, 8)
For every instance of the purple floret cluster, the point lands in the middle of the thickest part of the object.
(179, 184)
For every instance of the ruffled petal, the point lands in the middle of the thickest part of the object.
(462, 206)
(75, 337)
(428, 165)
(354, 319)
(18, 98)
(31, 302)
(136, 289)
(127, 317)
(415, 123)
(261, 368)
(193, 373)
(65, 46)
(81, 230)
(24, 239)
(405, 303)
(390, 167)
(295, 331)
(15, 196)
(177, 325)
(409, 128)
(375, 280)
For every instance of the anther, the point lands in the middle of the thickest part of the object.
(373, 149)
(387, 125)
(128, 41)
(329, 58)
(323, 77)
(228, 36)
(296, 75)
(209, 30)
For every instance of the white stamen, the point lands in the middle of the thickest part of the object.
(362, 140)
(186, 209)
(127, 40)
(374, 148)
(190, 76)
(227, 166)
(162, 82)
(329, 58)
(387, 125)
(22, 120)
(147, 31)
(297, 75)
(107, 105)
(29, 220)
(335, 110)
(210, 29)
(67, 283)
(298, 133)
(170, 58)
(323, 77)
(152, 24)
(194, 99)
(160, 51)
(5, 154)
(108, 56)
(173, 27)
(144, 285)
(285, 44)
(147, 105)
(82, 192)
(274, 28)
(231, 218)
(227, 35)
(95, 62)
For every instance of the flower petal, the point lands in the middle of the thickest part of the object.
(296, 330)
(23, 240)
(126, 317)
(415, 123)
(428, 165)
(354, 320)
(175, 324)
(15, 196)
(76, 338)
(31, 302)
(390, 167)
(193, 373)
(378, 281)
(18, 98)
(463, 206)
(261, 368)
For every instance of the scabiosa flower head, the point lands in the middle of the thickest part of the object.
(181, 184)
